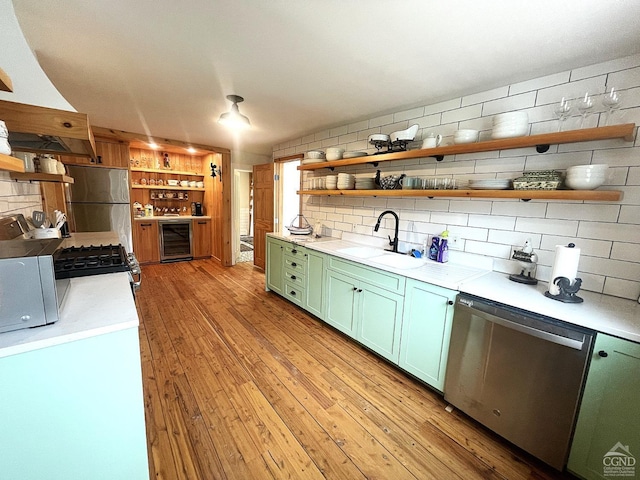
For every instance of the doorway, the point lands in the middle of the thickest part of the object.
(244, 216)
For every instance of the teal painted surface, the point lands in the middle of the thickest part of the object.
(341, 302)
(315, 301)
(379, 320)
(275, 265)
(426, 331)
(373, 276)
(74, 411)
(609, 411)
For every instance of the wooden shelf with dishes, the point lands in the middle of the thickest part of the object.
(590, 195)
(40, 177)
(541, 142)
(164, 170)
(11, 164)
(168, 187)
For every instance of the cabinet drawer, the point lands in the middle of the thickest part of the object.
(294, 278)
(294, 293)
(295, 264)
(295, 251)
(373, 276)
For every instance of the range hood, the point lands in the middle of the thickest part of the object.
(47, 130)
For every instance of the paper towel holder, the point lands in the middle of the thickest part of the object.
(567, 291)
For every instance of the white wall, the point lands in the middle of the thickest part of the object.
(608, 233)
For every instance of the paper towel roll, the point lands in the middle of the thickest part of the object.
(565, 264)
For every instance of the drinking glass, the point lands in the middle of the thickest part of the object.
(562, 111)
(585, 106)
(611, 102)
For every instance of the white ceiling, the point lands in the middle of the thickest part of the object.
(164, 67)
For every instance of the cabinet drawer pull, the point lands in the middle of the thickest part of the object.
(293, 277)
(292, 293)
(145, 224)
(294, 264)
(603, 354)
(294, 251)
(202, 223)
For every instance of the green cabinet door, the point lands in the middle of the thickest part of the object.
(314, 302)
(341, 292)
(426, 328)
(379, 320)
(275, 266)
(606, 442)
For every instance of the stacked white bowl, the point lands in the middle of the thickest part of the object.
(510, 124)
(334, 153)
(586, 177)
(346, 181)
(331, 182)
(465, 136)
(313, 156)
(365, 183)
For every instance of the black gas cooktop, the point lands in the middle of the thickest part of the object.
(92, 260)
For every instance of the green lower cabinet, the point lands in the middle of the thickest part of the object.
(341, 292)
(606, 442)
(426, 329)
(379, 320)
(275, 265)
(315, 299)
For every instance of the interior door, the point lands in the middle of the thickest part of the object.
(263, 211)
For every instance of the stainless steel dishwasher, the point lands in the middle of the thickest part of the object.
(518, 373)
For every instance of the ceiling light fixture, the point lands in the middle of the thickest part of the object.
(233, 118)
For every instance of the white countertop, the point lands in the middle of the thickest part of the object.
(94, 305)
(78, 239)
(611, 315)
(168, 218)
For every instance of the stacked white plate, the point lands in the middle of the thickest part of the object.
(314, 156)
(331, 182)
(498, 184)
(346, 181)
(354, 154)
(365, 183)
(511, 124)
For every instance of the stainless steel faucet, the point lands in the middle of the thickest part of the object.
(393, 243)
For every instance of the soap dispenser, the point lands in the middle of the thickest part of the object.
(443, 250)
(434, 248)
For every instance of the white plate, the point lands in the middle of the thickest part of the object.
(354, 154)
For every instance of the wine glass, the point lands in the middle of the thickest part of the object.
(611, 102)
(585, 106)
(562, 111)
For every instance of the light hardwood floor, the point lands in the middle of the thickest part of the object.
(241, 384)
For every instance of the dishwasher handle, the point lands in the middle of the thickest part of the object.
(534, 332)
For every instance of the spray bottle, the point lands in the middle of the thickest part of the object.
(443, 250)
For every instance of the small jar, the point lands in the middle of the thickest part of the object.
(5, 148)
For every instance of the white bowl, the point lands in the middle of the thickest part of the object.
(200, 184)
(465, 136)
(511, 117)
(172, 183)
(509, 132)
(184, 183)
(316, 154)
(576, 183)
(334, 153)
(601, 168)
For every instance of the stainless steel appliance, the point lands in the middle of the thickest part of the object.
(98, 201)
(196, 209)
(518, 373)
(30, 293)
(175, 240)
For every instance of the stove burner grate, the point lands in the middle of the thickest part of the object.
(90, 260)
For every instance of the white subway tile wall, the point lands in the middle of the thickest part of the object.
(608, 233)
(18, 197)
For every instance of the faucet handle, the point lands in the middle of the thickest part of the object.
(391, 242)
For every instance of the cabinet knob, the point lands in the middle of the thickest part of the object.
(450, 302)
(293, 277)
(294, 251)
(603, 354)
(294, 264)
(355, 289)
(292, 293)
(359, 290)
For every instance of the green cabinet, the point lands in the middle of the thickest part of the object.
(314, 284)
(275, 267)
(606, 441)
(426, 328)
(368, 312)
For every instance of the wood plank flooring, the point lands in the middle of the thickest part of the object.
(241, 384)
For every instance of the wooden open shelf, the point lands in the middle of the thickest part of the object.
(41, 177)
(5, 82)
(167, 187)
(541, 142)
(593, 195)
(11, 164)
(160, 170)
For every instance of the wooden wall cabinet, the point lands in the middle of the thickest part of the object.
(146, 243)
(201, 236)
(108, 154)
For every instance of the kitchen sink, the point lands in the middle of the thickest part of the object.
(395, 260)
(361, 252)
